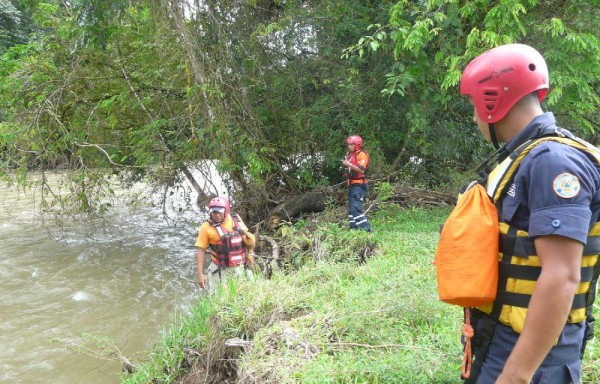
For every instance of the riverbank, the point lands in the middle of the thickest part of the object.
(335, 319)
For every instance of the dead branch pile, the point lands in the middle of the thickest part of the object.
(316, 201)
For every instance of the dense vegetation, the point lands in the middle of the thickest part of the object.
(269, 88)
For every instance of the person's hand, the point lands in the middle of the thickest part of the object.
(202, 280)
(250, 261)
(502, 379)
(509, 378)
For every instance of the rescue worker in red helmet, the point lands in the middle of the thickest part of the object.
(547, 190)
(356, 164)
(230, 243)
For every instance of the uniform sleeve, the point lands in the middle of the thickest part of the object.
(561, 184)
(363, 161)
(202, 239)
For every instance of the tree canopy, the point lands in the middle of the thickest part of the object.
(267, 88)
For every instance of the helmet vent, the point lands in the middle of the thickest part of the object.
(490, 97)
(532, 67)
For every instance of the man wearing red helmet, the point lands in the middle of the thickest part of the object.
(547, 190)
(229, 241)
(356, 165)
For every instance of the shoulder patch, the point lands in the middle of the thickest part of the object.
(566, 185)
(538, 150)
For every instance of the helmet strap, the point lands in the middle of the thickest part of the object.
(493, 137)
(488, 165)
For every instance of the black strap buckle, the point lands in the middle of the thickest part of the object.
(589, 333)
(589, 329)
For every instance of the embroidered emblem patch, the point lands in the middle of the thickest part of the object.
(566, 185)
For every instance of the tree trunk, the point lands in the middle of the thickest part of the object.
(198, 75)
(314, 201)
(192, 50)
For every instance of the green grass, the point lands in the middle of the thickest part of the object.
(335, 320)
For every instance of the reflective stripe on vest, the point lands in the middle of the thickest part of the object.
(519, 265)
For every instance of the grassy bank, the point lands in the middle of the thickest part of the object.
(334, 320)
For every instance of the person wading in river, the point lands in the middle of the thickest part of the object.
(230, 243)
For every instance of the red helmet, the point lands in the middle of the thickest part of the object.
(219, 202)
(356, 140)
(500, 77)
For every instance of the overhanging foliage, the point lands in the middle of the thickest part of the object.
(270, 89)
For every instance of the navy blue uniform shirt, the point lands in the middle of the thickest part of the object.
(556, 190)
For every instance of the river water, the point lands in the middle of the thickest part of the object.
(64, 305)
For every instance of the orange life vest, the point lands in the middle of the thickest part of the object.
(356, 177)
(230, 251)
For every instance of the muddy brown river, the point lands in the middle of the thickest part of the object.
(65, 303)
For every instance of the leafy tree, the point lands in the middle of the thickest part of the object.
(432, 41)
(75, 100)
(15, 22)
(10, 25)
(267, 89)
(143, 85)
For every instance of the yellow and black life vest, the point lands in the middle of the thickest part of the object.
(230, 251)
(519, 265)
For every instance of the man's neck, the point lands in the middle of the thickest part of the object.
(515, 122)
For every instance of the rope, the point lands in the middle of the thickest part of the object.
(467, 331)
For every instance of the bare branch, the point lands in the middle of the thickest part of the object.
(97, 146)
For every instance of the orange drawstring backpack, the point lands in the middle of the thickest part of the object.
(466, 258)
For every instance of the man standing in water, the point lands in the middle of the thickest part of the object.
(230, 244)
(356, 165)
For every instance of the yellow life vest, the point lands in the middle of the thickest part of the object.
(519, 265)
